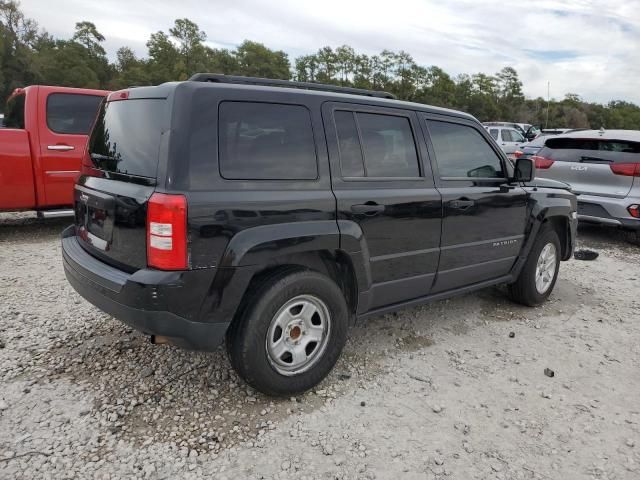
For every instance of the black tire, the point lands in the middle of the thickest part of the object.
(633, 236)
(247, 337)
(524, 289)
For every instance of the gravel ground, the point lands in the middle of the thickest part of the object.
(455, 389)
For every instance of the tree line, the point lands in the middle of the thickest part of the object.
(30, 55)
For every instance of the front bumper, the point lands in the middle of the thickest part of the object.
(607, 211)
(144, 299)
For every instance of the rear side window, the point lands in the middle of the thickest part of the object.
(461, 151)
(376, 145)
(591, 150)
(266, 141)
(14, 115)
(71, 113)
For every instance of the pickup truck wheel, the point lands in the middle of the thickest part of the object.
(290, 334)
(540, 271)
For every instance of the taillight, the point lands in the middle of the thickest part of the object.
(119, 95)
(167, 232)
(626, 169)
(634, 210)
(542, 162)
(517, 154)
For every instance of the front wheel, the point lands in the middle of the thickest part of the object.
(290, 334)
(540, 272)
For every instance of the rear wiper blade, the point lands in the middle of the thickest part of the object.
(594, 160)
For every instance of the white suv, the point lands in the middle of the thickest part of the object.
(509, 139)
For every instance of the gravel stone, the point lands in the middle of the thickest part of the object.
(104, 403)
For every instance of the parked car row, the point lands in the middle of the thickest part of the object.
(267, 214)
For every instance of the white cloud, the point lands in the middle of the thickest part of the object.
(580, 46)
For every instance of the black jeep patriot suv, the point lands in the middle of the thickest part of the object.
(270, 213)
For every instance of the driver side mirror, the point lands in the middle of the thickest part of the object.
(525, 170)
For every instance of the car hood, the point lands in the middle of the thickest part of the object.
(548, 183)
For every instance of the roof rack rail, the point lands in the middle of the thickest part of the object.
(220, 78)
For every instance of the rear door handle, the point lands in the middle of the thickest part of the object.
(60, 148)
(461, 204)
(367, 209)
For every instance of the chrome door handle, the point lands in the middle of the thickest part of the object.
(60, 148)
(462, 204)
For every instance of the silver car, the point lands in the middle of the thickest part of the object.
(603, 168)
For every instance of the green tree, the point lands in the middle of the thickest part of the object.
(29, 55)
(87, 35)
(17, 36)
(192, 54)
(256, 60)
(163, 58)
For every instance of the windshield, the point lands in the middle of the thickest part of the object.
(126, 137)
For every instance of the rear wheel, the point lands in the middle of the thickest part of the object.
(540, 272)
(290, 334)
(633, 236)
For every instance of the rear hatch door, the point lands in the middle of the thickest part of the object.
(120, 173)
(585, 164)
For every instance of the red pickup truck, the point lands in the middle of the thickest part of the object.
(41, 147)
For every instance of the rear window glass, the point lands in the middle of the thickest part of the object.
(72, 113)
(591, 150)
(265, 141)
(14, 114)
(127, 135)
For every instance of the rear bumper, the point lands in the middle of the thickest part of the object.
(142, 299)
(608, 211)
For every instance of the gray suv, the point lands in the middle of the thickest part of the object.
(603, 168)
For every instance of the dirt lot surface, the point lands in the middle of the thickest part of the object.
(456, 389)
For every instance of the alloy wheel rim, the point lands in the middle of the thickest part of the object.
(298, 335)
(546, 268)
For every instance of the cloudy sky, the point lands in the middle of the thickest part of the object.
(587, 47)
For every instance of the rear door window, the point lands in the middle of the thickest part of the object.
(69, 113)
(266, 141)
(462, 152)
(14, 116)
(376, 145)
